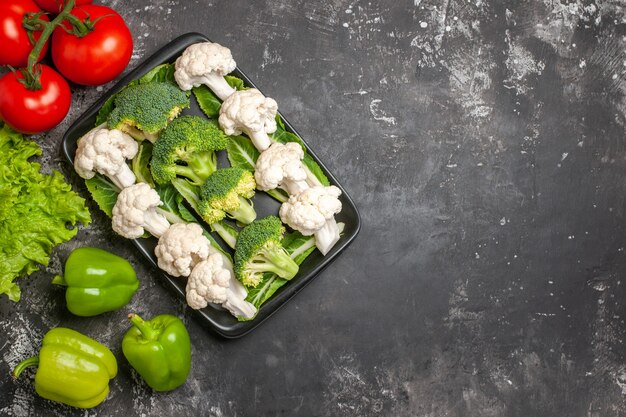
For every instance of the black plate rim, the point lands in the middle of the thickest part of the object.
(240, 328)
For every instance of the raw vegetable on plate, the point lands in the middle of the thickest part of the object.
(144, 110)
(182, 191)
(260, 249)
(226, 193)
(105, 152)
(135, 212)
(186, 250)
(188, 149)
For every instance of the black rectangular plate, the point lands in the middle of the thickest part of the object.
(218, 319)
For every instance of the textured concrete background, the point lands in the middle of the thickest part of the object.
(482, 141)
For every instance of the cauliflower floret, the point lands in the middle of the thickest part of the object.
(105, 151)
(181, 248)
(211, 281)
(135, 210)
(281, 165)
(205, 63)
(312, 212)
(250, 112)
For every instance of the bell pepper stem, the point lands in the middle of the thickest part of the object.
(17, 371)
(59, 280)
(147, 331)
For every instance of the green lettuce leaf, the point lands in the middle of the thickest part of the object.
(35, 211)
(184, 213)
(236, 82)
(314, 169)
(207, 101)
(160, 73)
(105, 110)
(103, 192)
(228, 233)
(173, 208)
(268, 287)
(282, 136)
(299, 246)
(141, 163)
(242, 153)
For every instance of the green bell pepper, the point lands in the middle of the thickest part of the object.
(159, 350)
(97, 281)
(73, 369)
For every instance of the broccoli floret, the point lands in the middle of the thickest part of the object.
(191, 194)
(227, 192)
(143, 110)
(187, 148)
(259, 249)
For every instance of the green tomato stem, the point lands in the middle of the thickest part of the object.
(80, 28)
(48, 27)
(17, 371)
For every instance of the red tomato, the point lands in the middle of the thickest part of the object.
(97, 57)
(13, 37)
(33, 112)
(55, 6)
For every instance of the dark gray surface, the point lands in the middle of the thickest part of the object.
(483, 143)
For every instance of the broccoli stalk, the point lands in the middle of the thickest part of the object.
(272, 258)
(226, 193)
(140, 164)
(173, 208)
(187, 148)
(144, 110)
(299, 248)
(259, 250)
(244, 213)
(227, 233)
(199, 166)
(191, 194)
